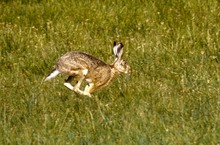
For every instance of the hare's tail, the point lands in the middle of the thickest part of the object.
(53, 74)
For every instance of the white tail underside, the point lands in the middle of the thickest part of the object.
(52, 75)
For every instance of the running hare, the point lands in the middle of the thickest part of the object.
(84, 66)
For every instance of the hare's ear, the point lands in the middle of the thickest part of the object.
(118, 49)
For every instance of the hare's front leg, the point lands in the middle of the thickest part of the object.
(88, 89)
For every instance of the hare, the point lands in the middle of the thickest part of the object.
(95, 72)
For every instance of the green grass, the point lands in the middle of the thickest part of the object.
(172, 95)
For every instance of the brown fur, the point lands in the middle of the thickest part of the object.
(86, 67)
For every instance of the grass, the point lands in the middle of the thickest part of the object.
(172, 95)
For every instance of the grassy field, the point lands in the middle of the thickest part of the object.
(172, 95)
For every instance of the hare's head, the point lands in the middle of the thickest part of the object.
(119, 63)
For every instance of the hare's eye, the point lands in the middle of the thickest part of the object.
(123, 62)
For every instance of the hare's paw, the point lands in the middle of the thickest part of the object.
(69, 86)
(84, 93)
(87, 94)
(78, 91)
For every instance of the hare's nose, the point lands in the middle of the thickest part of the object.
(128, 69)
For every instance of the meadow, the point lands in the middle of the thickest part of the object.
(172, 95)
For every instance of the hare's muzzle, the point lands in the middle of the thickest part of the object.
(128, 70)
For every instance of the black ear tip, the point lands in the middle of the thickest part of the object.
(121, 45)
(114, 43)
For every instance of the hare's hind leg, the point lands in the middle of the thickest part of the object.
(89, 89)
(80, 77)
(68, 83)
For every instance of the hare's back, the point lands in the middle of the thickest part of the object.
(77, 60)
